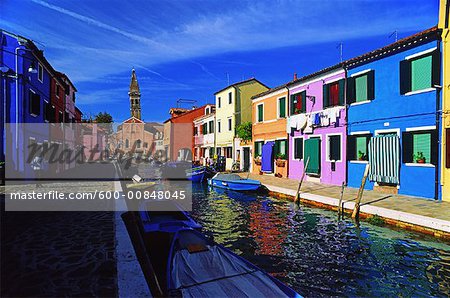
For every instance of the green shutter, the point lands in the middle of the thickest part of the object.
(422, 143)
(405, 76)
(303, 95)
(292, 105)
(341, 92)
(325, 95)
(282, 107)
(350, 90)
(421, 73)
(361, 88)
(260, 113)
(312, 150)
(371, 85)
(434, 147)
(298, 148)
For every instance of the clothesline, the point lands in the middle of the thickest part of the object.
(307, 121)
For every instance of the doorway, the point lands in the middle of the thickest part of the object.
(246, 159)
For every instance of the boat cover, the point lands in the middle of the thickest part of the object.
(235, 177)
(217, 273)
(267, 157)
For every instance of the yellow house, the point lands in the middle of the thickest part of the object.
(444, 20)
(233, 107)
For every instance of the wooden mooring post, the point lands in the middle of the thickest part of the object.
(341, 212)
(355, 213)
(297, 195)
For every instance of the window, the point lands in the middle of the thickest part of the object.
(207, 111)
(361, 87)
(127, 143)
(40, 73)
(218, 126)
(34, 103)
(48, 112)
(258, 148)
(298, 103)
(282, 107)
(57, 90)
(138, 144)
(280, 149)
(219, 102)
(420, 147)
(229, 152)
(211, 126)
(333, 94)
(260, 111)
(298, 148)
(419, 73)
(145, 145)
(357, 147)
(334, 148)
(73, 97)
(219, 151)
(60, 120)
(230, 98)
(195, 130)
(229, 124)
(204, 128)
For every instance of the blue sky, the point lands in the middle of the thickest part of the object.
(184, 49)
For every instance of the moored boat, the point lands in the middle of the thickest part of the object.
(198, 267)
(196, 174)
(234, 182)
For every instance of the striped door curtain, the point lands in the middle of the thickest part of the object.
(384, 159)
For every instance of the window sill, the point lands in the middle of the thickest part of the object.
(419, 91)
(34, 115)
(360, 103)
(333, 160)
(359, 161)
(423, 165)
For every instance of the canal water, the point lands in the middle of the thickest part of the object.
(317, 255)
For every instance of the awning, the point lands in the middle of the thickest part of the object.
(384, 159)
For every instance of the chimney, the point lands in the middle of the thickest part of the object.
(295, 76)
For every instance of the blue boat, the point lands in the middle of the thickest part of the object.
(234, 182)
(164, 216)
(196, 174)
(199, 267)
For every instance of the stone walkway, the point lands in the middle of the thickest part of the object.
(401, 205)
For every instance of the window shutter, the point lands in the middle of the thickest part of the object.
(405, 76)
(292, 105)
(351, 94)
(436, 68)
(303, 95)
(325, 95)
(371, 85)
(434, 147)
(282, 107)
(407, 143)
(351, 147)
(341, 91)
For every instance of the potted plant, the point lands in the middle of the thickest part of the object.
(361, 155)
(419, 157)
(281, 160)
(257, 160)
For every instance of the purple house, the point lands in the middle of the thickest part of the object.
(317, 126)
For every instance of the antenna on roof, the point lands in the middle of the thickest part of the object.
(340, 46)
(228, 78)
(181, 101)
(396, 35)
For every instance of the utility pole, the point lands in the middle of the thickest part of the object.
(340, 46)
(395, 33)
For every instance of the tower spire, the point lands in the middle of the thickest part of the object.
(135, 96)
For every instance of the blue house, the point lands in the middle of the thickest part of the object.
(393, 98)
(25, 97)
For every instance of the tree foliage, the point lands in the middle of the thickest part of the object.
(103, 117)
(244, 131)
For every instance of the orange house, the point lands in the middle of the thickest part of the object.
(269, 112)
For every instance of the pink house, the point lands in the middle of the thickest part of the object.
(94, 142)
(317, 126)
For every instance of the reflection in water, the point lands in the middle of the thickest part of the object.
(318, 255)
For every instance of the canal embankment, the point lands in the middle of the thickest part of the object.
(411, 213)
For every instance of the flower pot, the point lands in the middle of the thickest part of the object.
(281, 162)
(420, 161)
(257, 161)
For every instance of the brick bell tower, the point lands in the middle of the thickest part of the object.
(135, 96)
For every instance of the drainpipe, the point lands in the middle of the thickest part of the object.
(346, 121)
(438, 143)
(287, 116)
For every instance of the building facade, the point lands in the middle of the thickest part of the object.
(317, 127)
(234, 107)
(204, 135)
(393, 120)
(444, 20)
(270, 110)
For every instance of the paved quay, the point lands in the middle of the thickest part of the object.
(422, 215)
